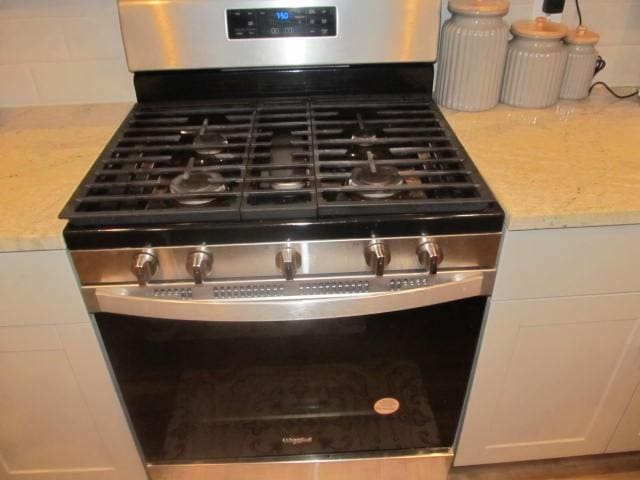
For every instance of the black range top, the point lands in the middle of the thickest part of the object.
(290, 165)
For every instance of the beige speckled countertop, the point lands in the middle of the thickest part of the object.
(572, 165)
(44, 153)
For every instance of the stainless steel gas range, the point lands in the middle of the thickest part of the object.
(286, 250)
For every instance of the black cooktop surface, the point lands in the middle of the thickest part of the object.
(305, 158)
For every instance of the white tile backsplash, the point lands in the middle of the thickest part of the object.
(84, 81)
(623, 65)
(55, 8)
(93, 37)
(70, 51)
(617, 21)
(61, 51)
(17, 86)
(24, 40)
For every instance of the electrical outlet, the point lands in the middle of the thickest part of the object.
(537, 12)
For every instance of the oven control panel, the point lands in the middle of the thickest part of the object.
(281, 22)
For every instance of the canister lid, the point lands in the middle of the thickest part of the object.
(479, 7)
(539, 28)
(582, 36)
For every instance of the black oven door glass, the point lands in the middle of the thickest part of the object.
(200, 391)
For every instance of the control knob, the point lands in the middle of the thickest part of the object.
(288, 261)
(199, 265)
(430, 255)
(145, 266)
(378, 257)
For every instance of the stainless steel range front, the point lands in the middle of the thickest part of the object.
(286, 250)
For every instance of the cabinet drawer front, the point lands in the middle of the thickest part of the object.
(39, 288)
(566, 262)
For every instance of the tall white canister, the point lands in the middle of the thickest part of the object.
(473, 49)
(581, 64)
(535, 64)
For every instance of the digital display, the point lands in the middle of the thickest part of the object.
(252, 23)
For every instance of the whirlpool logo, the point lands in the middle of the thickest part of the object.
(297, 440)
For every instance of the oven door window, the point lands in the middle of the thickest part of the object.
(208, 391)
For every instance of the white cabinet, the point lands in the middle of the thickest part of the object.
(60, 416)
(553, 378)
(568, 262)
(39, 288)
(560, 351)
(627, 436)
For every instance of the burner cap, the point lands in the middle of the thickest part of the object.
(383, 176)
(363, 137)
(198, 182)
(288, 185)
(209, 138)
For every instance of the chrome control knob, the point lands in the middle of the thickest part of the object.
(378, 257)
(430, 255)
(199, 265)
(288, 261)
(145, 266)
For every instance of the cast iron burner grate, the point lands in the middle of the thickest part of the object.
(272, 159)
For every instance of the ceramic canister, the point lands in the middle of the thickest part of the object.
(473, 49)
(535, 64)
(581, 64)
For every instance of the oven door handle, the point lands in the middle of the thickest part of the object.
(446, 287)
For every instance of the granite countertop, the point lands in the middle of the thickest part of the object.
(45, 152)
(575, 164)
(572, 165)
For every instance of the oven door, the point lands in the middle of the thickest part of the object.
(353, 383)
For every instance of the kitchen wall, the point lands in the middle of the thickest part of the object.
(61, 51)
(70, 51)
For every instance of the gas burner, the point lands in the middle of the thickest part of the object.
(384, 177)
(198, 182)
(282, 154)
(216, 140)
(285, 185)
(363, 141)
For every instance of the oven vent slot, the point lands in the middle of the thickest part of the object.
(333, 288)
(248, 291)
(174, 293)
(407, 283)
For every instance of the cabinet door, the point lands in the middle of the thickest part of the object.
(553, 378)
(46, 428)
(627, 436)
(59, 415)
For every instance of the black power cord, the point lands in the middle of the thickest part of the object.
(579, 12)
(600, 65)
(622, 97)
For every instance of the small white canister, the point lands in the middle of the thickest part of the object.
(473, 50)
(581, 64)
(535, 64)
